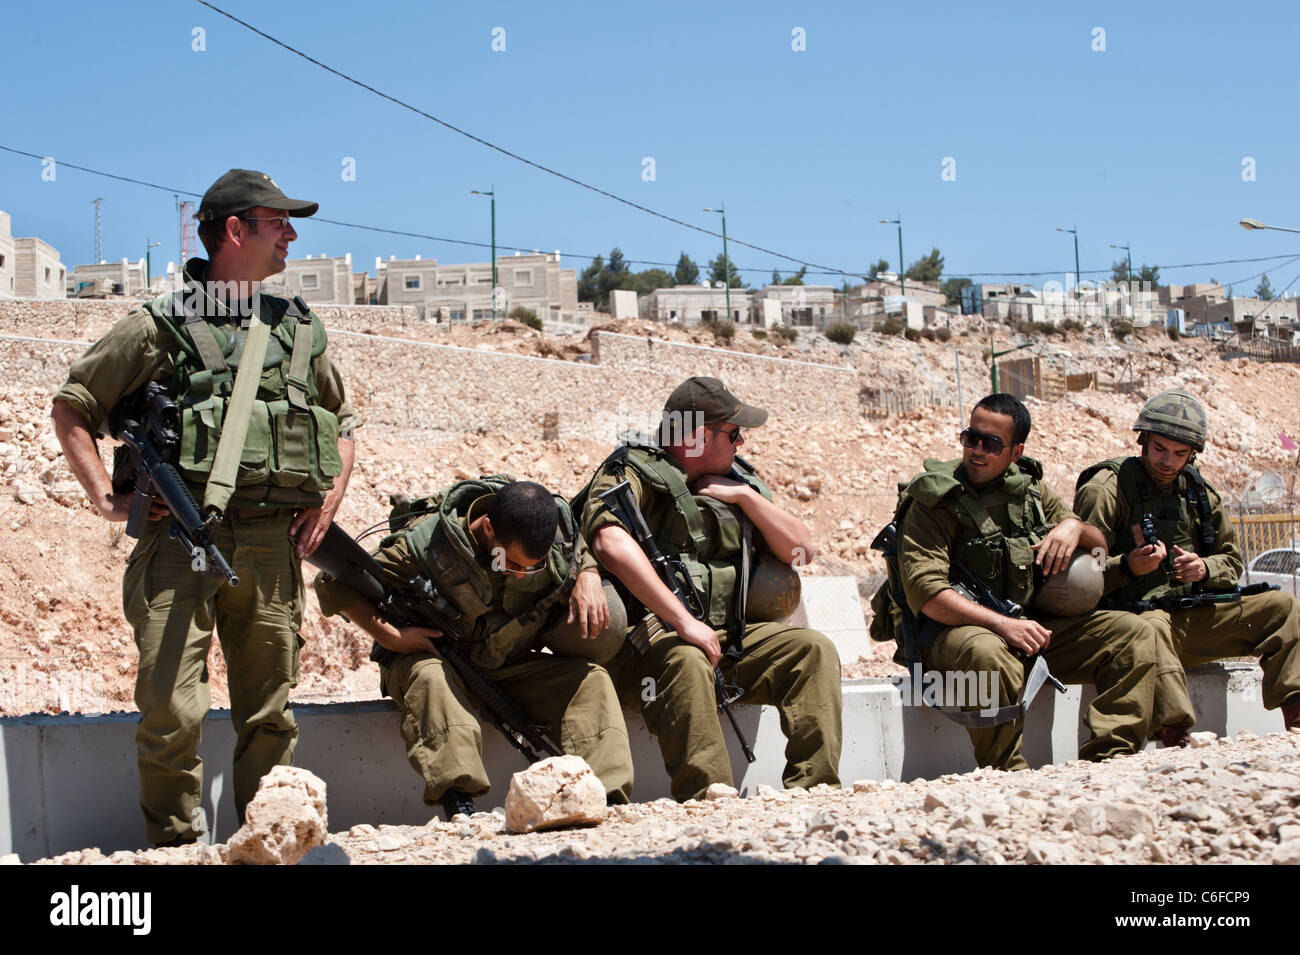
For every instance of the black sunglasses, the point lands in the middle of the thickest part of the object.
(732, 436)
(970, 438)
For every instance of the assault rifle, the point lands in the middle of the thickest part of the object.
(149, 424)
(1208, 598)
(915, 632)
(419, 604)
(673, 573)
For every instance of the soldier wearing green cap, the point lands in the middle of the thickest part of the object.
(1196, 553)
(698, 498)
(285, 483)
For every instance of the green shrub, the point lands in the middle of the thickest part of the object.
(723, 331)
(1174, 334)
(1122, 330)
(912, 334)
(943, 334)
(785, 333)
(759, 333)
(841, 333)
(525, 315)
(1072, 325)
(891, 326)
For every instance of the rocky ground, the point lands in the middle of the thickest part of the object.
(65, 646)
(1218, 802)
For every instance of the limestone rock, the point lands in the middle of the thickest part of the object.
(1197, 740)
(721, 791)
(285, 820)
(559, 791)
(1287, 853)
(1121, 820)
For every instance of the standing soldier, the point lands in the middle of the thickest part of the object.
(1193, 554)
(700, 502)
(273, 495)
(990, 512)
(507, 556)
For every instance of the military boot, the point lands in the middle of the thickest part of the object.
(1291, 713)
(454, 801)
(1173, 736)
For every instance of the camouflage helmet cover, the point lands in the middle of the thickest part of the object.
(1176, 415)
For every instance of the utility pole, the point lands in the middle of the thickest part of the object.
(492, 195)
(902, 279)
(99, 241)
(726, 262)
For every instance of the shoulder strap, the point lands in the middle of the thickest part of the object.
(234, 424)
(663, 475)
(296, 382)
(1199, 498)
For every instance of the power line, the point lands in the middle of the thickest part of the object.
(513, 155)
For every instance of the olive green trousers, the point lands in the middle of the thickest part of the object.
(444, 740)
(794, 669)
(173, 611)
(1266, 626)
(1115, 651)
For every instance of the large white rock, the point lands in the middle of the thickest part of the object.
(285, 820)
(559, 791)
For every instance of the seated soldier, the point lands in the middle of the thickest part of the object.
(990, 511)
(1194, 554)
(700, 503)
(507, 555)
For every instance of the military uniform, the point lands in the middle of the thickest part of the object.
(289, 460)
(507, 621)
(991, 531)
(794, 669)
(1114, 495)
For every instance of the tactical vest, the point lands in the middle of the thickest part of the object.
(504, 616)
(1002, 558)
(704, 533)
(290, 455)
(1183, 516)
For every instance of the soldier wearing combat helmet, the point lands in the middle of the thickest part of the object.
(1194, 554)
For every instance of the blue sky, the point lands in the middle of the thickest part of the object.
(1143, 141)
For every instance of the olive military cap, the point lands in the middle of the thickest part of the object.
(241, 189)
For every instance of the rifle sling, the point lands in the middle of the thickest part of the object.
(234, 425)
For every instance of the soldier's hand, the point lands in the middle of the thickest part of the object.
(700, 634)
(587, 605)
(413, 640)
(116, 508)
(1143, 560)
(1027, 635)
(309, 526)
(1188, 567)
(1057, 549)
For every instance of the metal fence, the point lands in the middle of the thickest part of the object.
(1257, 533)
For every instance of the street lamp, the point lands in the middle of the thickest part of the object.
(902, 280)
(1130, 259)
(148, 262)
(492, 195)
(1074, 232)
(726, 262)
(1253, 224)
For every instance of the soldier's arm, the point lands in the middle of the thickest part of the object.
(308, 528)
(785, 535)
(398, 566)
(619, 553)
(1098, 503)
(1225, 564)
(1055, 551)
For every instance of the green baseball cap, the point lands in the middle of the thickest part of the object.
(710, 398)
(242, 189)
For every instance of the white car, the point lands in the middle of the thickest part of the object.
(1280, 567)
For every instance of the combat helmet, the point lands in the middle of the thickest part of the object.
(1176, 415)
(1073, 591)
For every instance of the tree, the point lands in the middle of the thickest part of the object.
(928, 268)
(589, 282)
(1149, 275)
(730, 276)
(952, 290)
(688, 273)
(1119, 272)
(797, 278)
(776, 277)
(1264, 289)
(646, 282)
(879, 266)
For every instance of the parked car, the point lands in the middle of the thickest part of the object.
(1280, 566)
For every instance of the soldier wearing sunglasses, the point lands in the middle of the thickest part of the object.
(990, 510)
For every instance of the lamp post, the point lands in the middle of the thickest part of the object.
(148, 262)
(492, 195)
(1130, 259)
(902, 280)
(1074, 232)
(726, 262)
(1252, 224)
